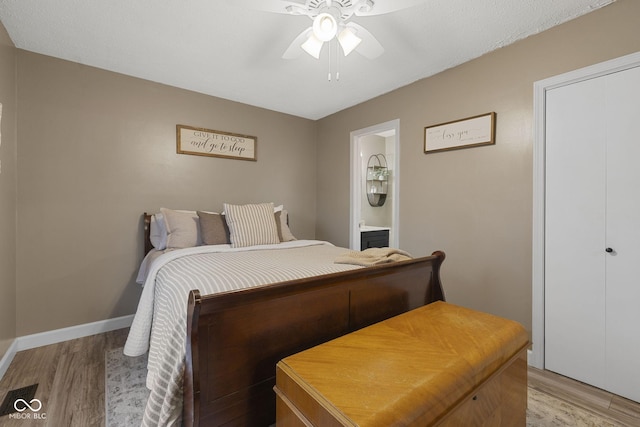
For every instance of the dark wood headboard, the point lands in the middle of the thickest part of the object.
(147, 233)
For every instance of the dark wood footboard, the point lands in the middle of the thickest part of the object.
(235, 339)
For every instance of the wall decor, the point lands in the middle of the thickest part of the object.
(213, 143)
(464, 133)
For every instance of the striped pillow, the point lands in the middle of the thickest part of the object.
(252, 224)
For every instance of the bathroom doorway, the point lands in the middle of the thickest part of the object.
(371, 149)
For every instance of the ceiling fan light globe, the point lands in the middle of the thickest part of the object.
(348, 40)
(313, 46)
(325, 27)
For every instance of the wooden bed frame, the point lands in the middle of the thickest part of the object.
(235, 339)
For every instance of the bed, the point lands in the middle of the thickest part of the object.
(214, 363)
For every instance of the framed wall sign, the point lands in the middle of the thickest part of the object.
(470, 132)
(213, 143)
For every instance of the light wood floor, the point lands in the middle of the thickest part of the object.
(625, 412)
(71, 385)
(71, 380)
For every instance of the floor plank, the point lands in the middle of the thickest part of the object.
(601, 402)
(70, 377)
(71, 385)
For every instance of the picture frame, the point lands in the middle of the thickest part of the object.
(212, 143)
(464, 133)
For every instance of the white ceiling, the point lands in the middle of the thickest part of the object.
(232, 50)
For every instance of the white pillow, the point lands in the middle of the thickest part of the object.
(182, 228)
(252, 224)
(158, 232)
(284, 233)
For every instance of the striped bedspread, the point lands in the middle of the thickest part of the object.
(159, 325)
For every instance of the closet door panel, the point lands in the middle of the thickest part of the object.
(623, 233)
(575, 232)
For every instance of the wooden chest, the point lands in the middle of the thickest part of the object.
(438, 365)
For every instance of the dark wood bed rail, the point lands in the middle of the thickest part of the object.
(235, 339)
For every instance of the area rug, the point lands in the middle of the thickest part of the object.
(126, 397)
(544, 410)
(125, 391)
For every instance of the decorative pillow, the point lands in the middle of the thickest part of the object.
(158, 232)
(282, 222)
(275, 209)
(253, 224)
(182, 228)
(213, 228)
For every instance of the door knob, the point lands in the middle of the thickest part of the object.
(609, 250)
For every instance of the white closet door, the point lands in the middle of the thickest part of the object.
(575, 232)
(623, 233)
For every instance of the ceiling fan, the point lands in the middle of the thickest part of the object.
(331, 20)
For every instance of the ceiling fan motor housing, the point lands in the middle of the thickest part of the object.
(342, 10)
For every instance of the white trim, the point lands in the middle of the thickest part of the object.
(65, 334)
(356, 183)
(539, 98)
(356, 192)
(8, 357)
(59, 335)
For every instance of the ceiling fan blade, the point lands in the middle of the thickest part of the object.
(380, 7)
(275, 6)
(295, 50)
(370, 47)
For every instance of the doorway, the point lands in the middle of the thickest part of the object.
(541, 91)
(384, 139)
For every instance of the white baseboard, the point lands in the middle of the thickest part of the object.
(59, 335)
(8, 357)
(534, 360)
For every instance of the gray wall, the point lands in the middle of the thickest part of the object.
(97, 149)
(475, 204)
(7, 191)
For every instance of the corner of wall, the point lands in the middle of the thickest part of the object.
(8, 198)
